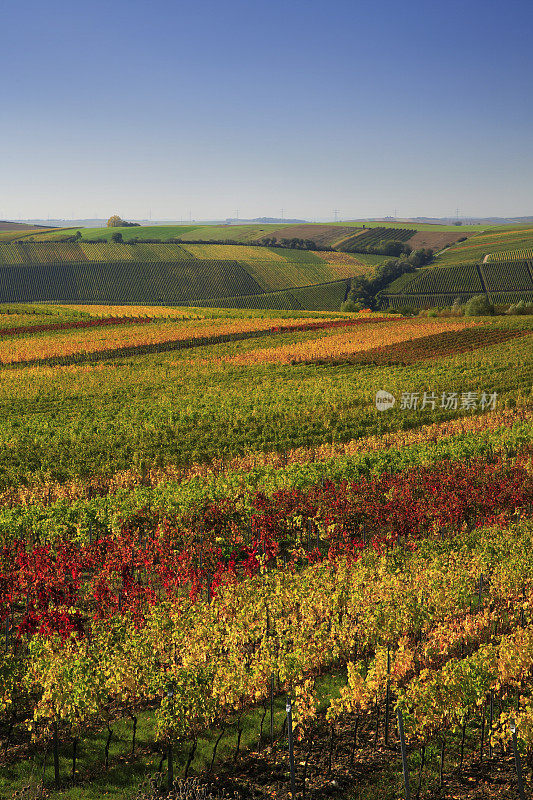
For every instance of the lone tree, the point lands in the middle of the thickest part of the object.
(115, 221)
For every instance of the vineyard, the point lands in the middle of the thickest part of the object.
(418, 302)
(194, 274)
(211, 519)
(326, 297)
(339, 237)
(373, 237)
(450, 279)
(502, 281)
(511, 255)
(495, 243)
(504, 276)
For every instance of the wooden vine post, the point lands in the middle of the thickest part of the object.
(288, 708)
(518, 765)
(170, 763)
(405, 765)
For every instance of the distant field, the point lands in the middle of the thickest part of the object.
(412, 225)
(16, 235)
(238, 233)
(497, 240)
(144, 231)
(18, 226)
(323, 235)
(496, 263)
(372, 237)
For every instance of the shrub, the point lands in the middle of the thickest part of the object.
(520, 308)
(479, 306)
(457, 309)
(420, 257)
(351, 305)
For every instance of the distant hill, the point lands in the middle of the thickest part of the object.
(322, 234)
(265, 221)
(20, 226)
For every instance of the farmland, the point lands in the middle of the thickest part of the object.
(186, 274)
(503, 282)
(324, 235)
(246, 266)
(202, 511)
(494, 243)
(495, 262)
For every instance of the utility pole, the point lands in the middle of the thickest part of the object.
(282, 212)
(336, 213)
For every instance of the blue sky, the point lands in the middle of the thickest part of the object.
(210, 106)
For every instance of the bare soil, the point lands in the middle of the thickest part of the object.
(323, 235)
(365, 768)
(437, 240)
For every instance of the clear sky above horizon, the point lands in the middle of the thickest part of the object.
(208, 107)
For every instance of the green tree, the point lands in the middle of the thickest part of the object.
(115, 221)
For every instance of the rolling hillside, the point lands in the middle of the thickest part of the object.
(201, 264)
(172, 274)
(497, 241)
(503, 282)
(497, 263)
(324, 235)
